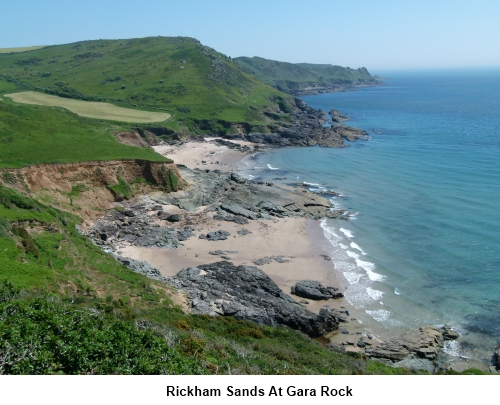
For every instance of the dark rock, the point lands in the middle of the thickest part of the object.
(243, 232)
(448, 333)
(174, 218)
(237, 209)
(185, 234)
(217, 252)
(337, 116)
(361, 343)
(232, 218)
(264, 260)
(247, 293)
(314, 290)
(217, 235)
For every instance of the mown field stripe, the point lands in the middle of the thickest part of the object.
(89, 109)
(22, 49)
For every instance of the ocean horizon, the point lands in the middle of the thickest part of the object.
(423, 189)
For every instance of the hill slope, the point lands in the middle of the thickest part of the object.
(305, 78)
(177, 75)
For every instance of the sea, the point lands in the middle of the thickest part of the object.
(422, 244)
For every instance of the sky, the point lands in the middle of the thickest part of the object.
(378, 34)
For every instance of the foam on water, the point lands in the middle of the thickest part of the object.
(272, 168)
(380, 315)
(359, 274)
(356, 246)
(346, 232)
(375, 294)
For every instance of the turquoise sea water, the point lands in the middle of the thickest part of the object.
(424, 247)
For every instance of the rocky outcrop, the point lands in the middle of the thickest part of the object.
(496, 358)
(140, 267)
(236, 199)
(137, 226)
(247, 293)
(424, 343)
(337, 116)
(314, 290)
(307, 128)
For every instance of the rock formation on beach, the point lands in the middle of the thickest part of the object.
(416, 348)
(314, 290)
(246, 292)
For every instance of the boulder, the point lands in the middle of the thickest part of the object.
(174, 218)
(314, 290)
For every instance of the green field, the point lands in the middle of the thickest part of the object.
(35, 134)
(22, 49)
(200, 87)
(90, 109)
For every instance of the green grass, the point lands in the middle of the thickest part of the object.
(34, 135)
(122, 190)
(296, 76)
(175, 75)
(22, 49)
(89, 109)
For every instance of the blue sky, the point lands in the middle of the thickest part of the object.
(381, 35)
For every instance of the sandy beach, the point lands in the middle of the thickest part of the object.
(204, 155)
(295, 241)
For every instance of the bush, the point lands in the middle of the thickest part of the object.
(42, 336)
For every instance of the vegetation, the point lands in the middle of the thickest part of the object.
(90, 109)
(23, 49)
(34, 135)
(293, 77)
(80, 311)
(122, 190)
(178, 75)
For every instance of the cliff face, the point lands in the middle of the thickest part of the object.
(306, 78)
(88, 189)
(64, 177)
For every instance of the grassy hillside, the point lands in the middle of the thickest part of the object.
(176, 75)
(296, 77)
(35, 135)
(80, 311)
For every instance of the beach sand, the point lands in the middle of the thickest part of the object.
(191, 154)
(298, 240)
